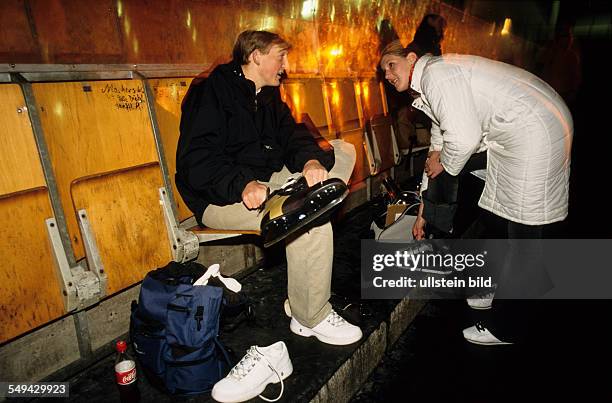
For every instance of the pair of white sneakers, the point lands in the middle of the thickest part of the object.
(264, 365)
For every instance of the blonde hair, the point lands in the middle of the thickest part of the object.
(394, 48)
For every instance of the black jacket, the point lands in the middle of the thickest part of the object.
(230, 136)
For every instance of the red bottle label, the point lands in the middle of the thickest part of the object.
(125, 372)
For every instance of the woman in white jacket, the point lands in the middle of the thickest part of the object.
(478, 104)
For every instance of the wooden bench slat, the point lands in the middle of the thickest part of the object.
(205, 230)
(127, 222)
(30, 294)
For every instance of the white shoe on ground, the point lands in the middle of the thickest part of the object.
(478, 334)
(481, 303)
(331, 330)
(249, 378)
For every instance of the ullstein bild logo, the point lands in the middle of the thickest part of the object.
(516, 268)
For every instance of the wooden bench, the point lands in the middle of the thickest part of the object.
(359, 183)
(206, 234)
(385, 143)
(169, 94)
(372, 97)
(30, 293)
(386, 151)
(103, 153)
(123, 212)
(344, 103)
(305, 95)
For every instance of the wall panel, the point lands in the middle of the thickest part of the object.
(17, 43)
(331, 38)
(77, 31)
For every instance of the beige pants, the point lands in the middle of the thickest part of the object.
(309, 256)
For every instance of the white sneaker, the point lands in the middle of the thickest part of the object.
(481, 303)
(331, 330)
(249, 378)
(478, 334)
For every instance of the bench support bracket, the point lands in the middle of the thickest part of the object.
(80, 287)
(185, 244)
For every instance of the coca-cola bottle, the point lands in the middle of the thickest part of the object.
(125, 372)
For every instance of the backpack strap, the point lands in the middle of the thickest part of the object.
(226, 358)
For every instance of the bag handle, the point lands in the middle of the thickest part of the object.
(214, 271)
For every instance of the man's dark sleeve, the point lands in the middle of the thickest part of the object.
(201, 158)
(300, 145)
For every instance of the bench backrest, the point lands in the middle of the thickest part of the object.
(30, 293)
(371, 95)
(305, 95)
(345, 106)
(169, 94)
(364, 161)
(103, 153)
(386, 151)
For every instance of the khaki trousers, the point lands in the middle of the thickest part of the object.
(309, 255)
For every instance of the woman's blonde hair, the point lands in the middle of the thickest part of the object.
(394, 48)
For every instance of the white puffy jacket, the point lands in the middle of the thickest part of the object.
(477, 104)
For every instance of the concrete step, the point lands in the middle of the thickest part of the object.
(322, 373)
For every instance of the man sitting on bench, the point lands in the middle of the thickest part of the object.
(238, 141)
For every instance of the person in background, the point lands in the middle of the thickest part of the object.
(429, 34)
(238, 141)
(478, 104)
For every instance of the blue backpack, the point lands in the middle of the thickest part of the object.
(174, 328)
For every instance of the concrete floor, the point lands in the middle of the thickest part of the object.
(431, 362)
(321, 372)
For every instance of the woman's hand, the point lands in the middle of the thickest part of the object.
(418, 229)
(433, 167)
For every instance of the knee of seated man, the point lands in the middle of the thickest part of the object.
(344, 153)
